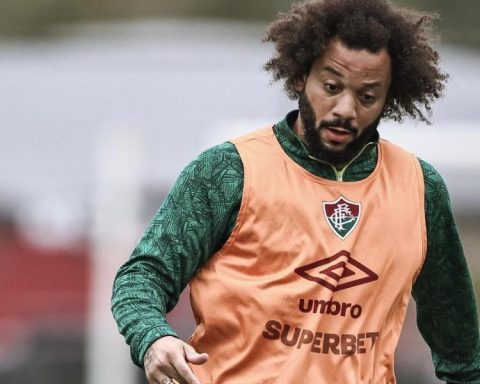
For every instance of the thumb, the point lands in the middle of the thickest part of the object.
(193, 356)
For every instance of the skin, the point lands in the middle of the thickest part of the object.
(168, 357)
(345, 92)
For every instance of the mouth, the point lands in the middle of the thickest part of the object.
(338, 134)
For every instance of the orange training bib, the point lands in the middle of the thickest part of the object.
(313, 284)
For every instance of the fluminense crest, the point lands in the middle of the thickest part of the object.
(342, 216)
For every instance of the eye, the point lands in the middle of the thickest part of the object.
(368, 98)
(331, 87)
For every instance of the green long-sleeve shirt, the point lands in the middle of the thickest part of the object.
(199, 214)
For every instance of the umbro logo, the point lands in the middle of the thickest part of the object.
(337, 272)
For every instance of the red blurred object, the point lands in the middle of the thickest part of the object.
(40, 287)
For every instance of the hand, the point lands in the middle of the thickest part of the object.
(168, 357)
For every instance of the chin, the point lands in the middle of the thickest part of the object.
(334, 148)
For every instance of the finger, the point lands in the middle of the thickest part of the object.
(164, 380)
(162, 375)
(185, 372)
(193, 356)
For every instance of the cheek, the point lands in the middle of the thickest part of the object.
(319, 102)
(314, 91)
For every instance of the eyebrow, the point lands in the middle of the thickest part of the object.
(373, 84)
(333, 70)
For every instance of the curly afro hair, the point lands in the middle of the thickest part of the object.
(303, 35)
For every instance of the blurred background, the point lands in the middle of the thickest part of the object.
(104, 103)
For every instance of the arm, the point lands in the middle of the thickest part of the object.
(446, 309)
(193, 223)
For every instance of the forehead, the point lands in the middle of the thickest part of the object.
(355, 64)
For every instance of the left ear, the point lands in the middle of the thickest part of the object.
(300, 84)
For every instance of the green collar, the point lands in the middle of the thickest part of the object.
(357, 169)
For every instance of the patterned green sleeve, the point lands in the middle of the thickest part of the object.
(193, 222)
(446, 310)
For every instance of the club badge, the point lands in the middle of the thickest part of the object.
(342, 216)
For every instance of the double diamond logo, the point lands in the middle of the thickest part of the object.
(342, 216)
(337, 272)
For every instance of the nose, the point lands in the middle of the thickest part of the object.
(345, 107)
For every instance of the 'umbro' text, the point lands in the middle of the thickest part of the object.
(334, 308)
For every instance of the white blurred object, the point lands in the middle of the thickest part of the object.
(445, 144)
(51, 222)
(179, 79)
(115, 229)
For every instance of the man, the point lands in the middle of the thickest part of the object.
(303, 241)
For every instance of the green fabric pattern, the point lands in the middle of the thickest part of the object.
(200, 212)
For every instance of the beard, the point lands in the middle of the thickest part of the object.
(318, 148)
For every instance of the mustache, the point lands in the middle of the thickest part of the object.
(338, 123)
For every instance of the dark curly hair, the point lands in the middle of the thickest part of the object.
(302, 35)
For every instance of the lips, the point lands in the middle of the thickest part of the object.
(338, 134)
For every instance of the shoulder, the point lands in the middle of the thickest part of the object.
(395, 150)
(222, 158)
(217, 154)
(259, 134)
(434, 183)
(437, 199)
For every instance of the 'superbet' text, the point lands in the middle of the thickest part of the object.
(320, 342)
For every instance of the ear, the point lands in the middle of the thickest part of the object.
(300, 84)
